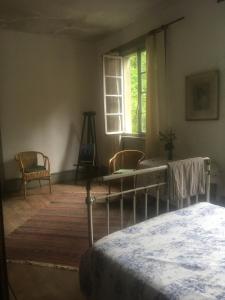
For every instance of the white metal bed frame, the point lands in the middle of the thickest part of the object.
(90, 199)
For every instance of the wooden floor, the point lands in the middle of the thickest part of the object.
(17, 209)
(41, 283)
(33, 282)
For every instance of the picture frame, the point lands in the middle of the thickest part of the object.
(202, 96)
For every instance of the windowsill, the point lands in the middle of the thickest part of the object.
(140, 136)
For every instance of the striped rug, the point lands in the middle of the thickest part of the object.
(57, 234)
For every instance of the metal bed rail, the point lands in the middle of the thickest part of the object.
(90, 199)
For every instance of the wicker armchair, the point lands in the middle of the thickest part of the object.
(125, 160)
(33, 166)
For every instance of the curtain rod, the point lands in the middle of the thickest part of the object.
(142, 37)
(164, 26)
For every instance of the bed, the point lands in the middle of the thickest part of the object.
(176, 255)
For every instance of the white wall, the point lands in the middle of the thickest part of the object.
(198, 44)
(45, 85)
(195, 44)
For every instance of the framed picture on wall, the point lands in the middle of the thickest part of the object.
(202, 98)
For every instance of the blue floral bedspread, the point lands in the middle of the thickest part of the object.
(178, 255)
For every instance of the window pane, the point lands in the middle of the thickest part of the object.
(135, 120)
(114, 123)
(143, 83)
(113, 105)
(134, 92)
(143, 92)
(113, 86)
(143, 122)
(143, 61)
(112, 67)
(143, 112)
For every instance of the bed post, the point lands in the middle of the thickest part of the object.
(208, 180)
(89, 202)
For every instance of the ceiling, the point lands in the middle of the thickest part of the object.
(83, 19)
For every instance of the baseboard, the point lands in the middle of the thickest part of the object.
(14, 185)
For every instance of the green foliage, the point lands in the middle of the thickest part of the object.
(134, 91)
(168, 138)
(143, 91)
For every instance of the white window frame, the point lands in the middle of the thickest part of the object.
(119, 96)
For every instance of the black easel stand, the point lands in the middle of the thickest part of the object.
(87, 156)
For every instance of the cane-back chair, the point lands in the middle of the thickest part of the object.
(125, 160)
(33, 165)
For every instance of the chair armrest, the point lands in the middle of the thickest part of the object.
(19, 161)
(140, 160)
(111, 167)
(46, 163)
(112, 163)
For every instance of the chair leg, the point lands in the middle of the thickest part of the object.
(50, 185)
(21, 184)
(40, 182)
(25, 188)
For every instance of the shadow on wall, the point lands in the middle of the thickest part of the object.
(12, 166)
(2, 167)
(71, 148)
(13, 184)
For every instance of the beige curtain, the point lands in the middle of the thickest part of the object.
(156, 105)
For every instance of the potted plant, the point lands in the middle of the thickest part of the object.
(168, 138)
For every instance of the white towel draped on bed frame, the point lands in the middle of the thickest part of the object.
(186, 178)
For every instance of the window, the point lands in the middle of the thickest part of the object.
(113, 94)
(125, 93)
(135, 92)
